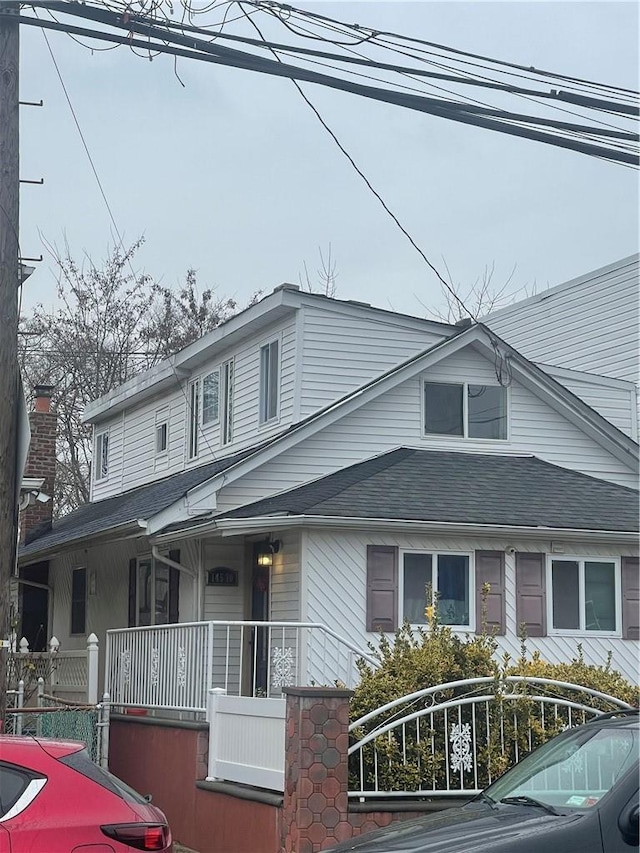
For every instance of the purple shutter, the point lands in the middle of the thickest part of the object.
(490, 569)
(531, 604)
(382, 588)
(174, 587)
(630, 598)
(133, 580)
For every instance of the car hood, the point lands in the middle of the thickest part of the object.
(475, 828)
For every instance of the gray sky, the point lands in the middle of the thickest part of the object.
(234, 176)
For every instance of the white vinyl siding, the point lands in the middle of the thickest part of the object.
(342, 351)
(336, 592)
(589, 323)
(394, 419)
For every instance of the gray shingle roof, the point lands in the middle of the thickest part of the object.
(94, 519)
(428, 485)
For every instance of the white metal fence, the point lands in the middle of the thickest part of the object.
(454, 739)
(174, 666)
(246, 740)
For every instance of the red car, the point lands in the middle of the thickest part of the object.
(54, 799)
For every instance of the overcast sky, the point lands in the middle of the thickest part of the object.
(233, 175)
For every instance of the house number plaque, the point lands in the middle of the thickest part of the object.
(221, 576)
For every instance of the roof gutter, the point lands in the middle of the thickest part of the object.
(239, 526)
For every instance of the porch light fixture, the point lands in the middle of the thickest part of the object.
(266, 550)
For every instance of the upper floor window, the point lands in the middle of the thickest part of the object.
(101, 463)
(446, 574)
(269, 380)
(584, 595)
(194, 418)
(227, 401)
(465, 410)
(211, 398)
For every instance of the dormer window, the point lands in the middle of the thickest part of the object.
(211, 398)
(101, 459)
(465, 410)
(227, 401)
(269, 381)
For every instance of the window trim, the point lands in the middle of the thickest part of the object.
(214, 421)
(100, 471)
(581, 560)
(263, 390)
(435, 553)
(436, 436)
(193, 419)
(227, 385)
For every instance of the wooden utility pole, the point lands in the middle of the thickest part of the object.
(9, 280)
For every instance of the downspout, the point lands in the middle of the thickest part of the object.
(192, 573)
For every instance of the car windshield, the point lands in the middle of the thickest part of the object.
(574, 771)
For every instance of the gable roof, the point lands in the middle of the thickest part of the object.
(447, 486)
(122, 512)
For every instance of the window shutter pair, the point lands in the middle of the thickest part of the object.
(531, 606)
(382, 588)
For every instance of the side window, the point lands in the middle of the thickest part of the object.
(101, 459)
(162, 437)
(194, 418)
(211, 398)
(13, 783)
(269, 381)
(78, 601)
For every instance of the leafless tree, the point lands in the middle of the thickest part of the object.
(326, 275)
(479, 298)
(111, 323)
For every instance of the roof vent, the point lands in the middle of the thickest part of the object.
(463, 322)
(286, 286)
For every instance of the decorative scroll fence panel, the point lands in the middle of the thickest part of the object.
(454, 739)
(172, 667)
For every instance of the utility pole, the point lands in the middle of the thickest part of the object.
(9, 280)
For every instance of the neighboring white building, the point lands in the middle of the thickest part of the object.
(381, 453)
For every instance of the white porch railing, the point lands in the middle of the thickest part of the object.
(454, 739)
(173, 667)
(246, 740)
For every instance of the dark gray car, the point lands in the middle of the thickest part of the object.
(577, 793)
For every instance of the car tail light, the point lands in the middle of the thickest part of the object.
(141, 836)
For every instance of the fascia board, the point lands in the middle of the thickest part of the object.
(152, 381)
(128, 530)
(247, 526)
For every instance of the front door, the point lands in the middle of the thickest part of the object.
(260, 635)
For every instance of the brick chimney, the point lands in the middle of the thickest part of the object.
(41, 463)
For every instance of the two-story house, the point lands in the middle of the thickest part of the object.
(321, 462)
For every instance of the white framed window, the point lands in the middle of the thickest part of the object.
(584, 595)
(101, 459)
(465, 410)
(450, 575)
(227, 382)
(162, 436)
(211, 398)
(193, 413)
(269, 381)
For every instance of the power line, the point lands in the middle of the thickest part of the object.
(500, 121)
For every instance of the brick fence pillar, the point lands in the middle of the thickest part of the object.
(315, 806)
